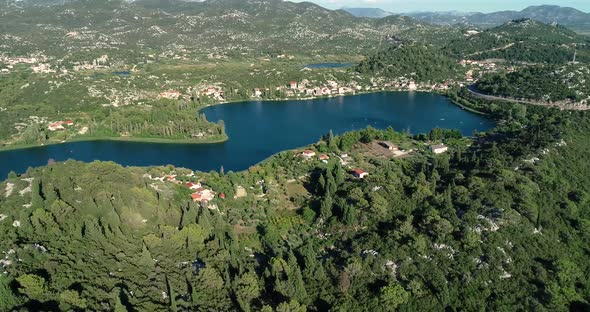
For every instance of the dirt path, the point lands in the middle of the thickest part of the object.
(493, 50)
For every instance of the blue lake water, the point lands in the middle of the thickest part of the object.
(122, 73)
(329, 65)
(258, 130)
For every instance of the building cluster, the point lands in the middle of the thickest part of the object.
(22, 60)
(213, 92)
(309, 155)
(482, 67)
(406, 84)
(485, 64)
(38, 63)
(305, 89)
(333, 88)
(170, 94)
(199, 193)
(60, 125)
(43, 68)
(99, 63)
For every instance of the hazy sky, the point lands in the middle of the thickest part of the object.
(449, 5)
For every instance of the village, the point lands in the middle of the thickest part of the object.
(304, 88)
(206, 196)
(310, 89)
(374, 149)
(199, 193)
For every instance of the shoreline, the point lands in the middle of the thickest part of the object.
(323, 97)
(469, 109)
(217, 141)
(115, 139)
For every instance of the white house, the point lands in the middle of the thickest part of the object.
(359, 173)
(439, 148)
(388, 145)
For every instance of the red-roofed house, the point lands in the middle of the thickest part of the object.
(222, 195)
(359, 173)
(193, 186)
(308, 153)
(172, 94)
(196, 197)
(68, 122)
(293, 85)
(324, 157)
(56, 126)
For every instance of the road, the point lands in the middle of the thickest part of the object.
(562, 106)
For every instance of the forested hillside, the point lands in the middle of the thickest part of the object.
(500, 221)
(414, 61)
(542, 83)
(523, 40)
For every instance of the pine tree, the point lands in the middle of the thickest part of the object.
(326, 207)
(338, 174)
(171, 295)
(321, 188)
(246, 289)
(330, 185)
(299, 292)
(331, 142)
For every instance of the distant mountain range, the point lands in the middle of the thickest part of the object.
(217, 28)
(570, 17)
(368, 12)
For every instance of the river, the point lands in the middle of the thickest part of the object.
(258, 130)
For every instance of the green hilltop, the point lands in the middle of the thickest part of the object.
(523, 40)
